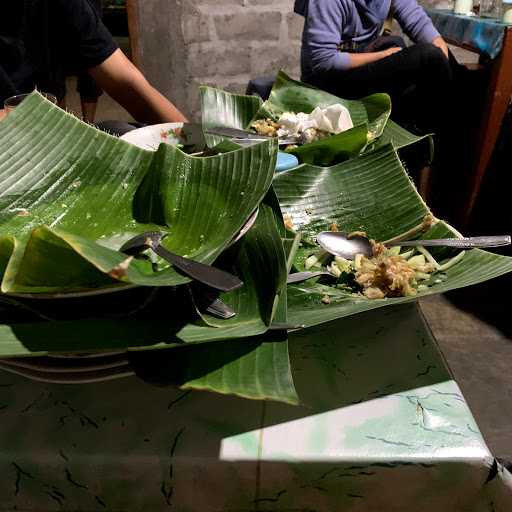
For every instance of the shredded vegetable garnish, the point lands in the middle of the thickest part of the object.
(386, 273)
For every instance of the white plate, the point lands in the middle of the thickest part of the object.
(84, 377)
(150, 137)
(69, 364)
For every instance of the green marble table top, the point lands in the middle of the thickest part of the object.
(383, 426)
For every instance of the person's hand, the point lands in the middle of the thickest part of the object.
(391, 51)
(2, 113)
(361, 59)
(440, 43)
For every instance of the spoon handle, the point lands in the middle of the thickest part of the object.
(460, 243)
(206, 274)
(244, 135)
(298, 277)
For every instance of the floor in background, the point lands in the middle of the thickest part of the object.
(471, 329)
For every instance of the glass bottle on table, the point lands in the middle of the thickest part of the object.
(507, 11)
(463, 7)
(11, 103)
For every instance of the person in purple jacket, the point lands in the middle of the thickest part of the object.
(343, 52)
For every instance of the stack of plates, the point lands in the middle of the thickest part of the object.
(71, 368)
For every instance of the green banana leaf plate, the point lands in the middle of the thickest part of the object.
(370, 116)
(371, 193)
(70, 195)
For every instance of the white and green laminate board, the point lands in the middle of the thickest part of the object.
(382, 427)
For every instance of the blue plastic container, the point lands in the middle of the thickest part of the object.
(285, 161)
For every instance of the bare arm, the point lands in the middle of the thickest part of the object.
(128, 86)
(361, 59)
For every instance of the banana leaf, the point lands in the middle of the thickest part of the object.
(415, 151)
(335, 149)
(70, 195)
(370, 115)
(394, 134)
(256, 368)
(245, 362)
(220, 108)
(374, 111)
(143, 320)
(290, 95)
(371, 193)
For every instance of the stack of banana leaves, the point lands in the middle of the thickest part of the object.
(72, 198)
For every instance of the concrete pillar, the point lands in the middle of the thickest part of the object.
(185, 43)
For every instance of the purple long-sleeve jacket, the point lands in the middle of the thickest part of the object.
(330, 23)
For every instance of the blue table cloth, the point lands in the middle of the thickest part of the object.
(484, 35)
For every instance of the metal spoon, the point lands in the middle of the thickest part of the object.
(206, 300)
(298, 277)
(244, 136)
(340, 244)
(206, 274)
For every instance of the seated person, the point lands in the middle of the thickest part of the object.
(343, 53)
(46, 39)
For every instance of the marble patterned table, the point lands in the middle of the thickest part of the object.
(383, 426)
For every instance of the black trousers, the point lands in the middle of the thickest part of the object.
(419, 79)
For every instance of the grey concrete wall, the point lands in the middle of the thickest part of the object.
(162, 53)
(224, 43)
(185, 43)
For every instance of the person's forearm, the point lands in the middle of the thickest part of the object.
(323, 32)
(414, 21)
(128, 86)
(145, 103)
(361, 59)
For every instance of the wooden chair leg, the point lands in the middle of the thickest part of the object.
(132, 12)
